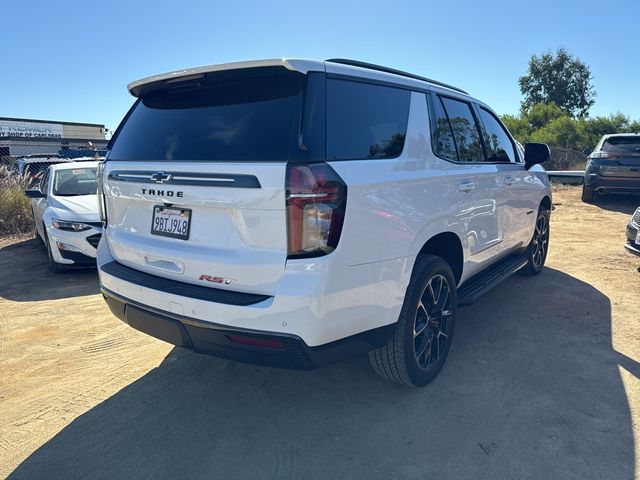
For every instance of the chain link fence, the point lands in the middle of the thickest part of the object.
(566, 159)
(21, 167)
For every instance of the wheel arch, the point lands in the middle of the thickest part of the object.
(446, 245)
(546, 202)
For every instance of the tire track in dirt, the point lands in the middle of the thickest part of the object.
(3, 342)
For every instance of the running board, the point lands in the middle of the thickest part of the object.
(484, 281)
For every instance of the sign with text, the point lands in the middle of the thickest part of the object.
(30, 129)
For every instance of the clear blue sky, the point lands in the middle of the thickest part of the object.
(71, 60)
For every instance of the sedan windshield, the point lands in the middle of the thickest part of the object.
(76, 181)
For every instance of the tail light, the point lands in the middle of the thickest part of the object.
(316, 201)
(102, 206)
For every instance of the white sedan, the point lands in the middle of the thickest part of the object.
(65, 211)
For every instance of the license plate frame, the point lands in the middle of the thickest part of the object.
(638, 237)
(180, 212)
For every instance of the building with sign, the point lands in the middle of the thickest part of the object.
(21, 136)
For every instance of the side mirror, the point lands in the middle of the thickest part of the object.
(34, 193)
(535, 153)
(587, 151)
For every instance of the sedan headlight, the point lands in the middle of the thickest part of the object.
(69, 226)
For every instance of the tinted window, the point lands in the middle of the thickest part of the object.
(441, 134)
(76, 181)
(465, 130)
(365, 121)
(496, 140)
(241, 115)
(629, 144)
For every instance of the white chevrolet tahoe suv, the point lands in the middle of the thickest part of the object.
(292, 213)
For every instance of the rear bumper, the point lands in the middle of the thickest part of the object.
(612, 184)
(284, 350)
(319, 301)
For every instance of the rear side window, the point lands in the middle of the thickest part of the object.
(365, 120)
(465, 130)
(244, 115)
(497, 141)
(630, 144)
(442, 136)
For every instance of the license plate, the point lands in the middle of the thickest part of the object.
(638, 238)
(171, 222)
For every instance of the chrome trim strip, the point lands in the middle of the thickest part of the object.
(187, 178)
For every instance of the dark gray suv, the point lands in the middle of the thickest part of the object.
(613, 166)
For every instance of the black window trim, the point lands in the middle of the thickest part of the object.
(471, 105)
(433, 126)
(428, 91)
(518, 161)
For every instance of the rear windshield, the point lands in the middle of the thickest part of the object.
(76, 181)
(245, 115)
(622, 144)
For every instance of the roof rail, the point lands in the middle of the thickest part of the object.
(372, 66)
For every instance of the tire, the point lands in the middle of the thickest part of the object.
(587, 194)
(539, 247)
(409, 357)
(54, 267)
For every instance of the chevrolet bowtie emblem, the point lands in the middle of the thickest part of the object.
(161, 177)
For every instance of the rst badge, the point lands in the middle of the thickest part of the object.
(209, 278)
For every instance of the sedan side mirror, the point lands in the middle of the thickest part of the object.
(535, 153)
(35, 193)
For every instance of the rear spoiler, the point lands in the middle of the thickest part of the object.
(156, 81)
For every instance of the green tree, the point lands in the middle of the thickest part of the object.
(561, 132)
(519, 127)
(541, 114)
(593, 129)
(558, 78)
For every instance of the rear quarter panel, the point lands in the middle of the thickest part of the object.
(394, 206)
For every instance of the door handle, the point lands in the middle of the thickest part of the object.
(509, 179)
(467, 186)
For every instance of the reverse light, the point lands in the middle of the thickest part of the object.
(316, 200)
(69, 226)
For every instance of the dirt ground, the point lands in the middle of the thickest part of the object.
(543, 381)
